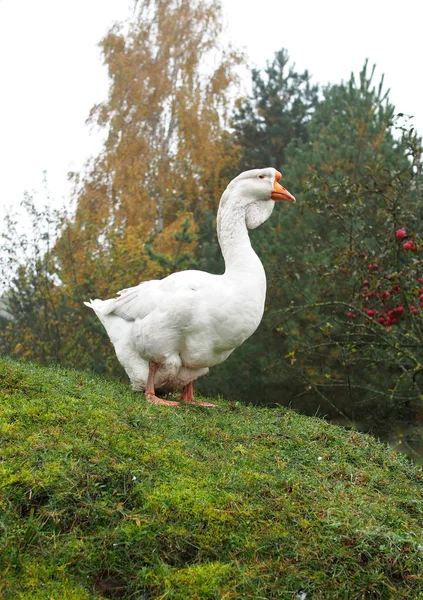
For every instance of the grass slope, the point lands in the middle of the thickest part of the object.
(105, 496)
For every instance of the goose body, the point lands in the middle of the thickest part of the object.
(167, 333)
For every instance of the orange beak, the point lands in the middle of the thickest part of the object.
(279, 192)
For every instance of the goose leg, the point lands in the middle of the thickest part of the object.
(150, 393)
(188, 396)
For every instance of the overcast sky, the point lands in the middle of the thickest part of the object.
(51, 70)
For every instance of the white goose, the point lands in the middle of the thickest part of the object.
(168, 332)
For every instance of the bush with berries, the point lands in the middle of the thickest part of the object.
(393, 296)
(354, 328)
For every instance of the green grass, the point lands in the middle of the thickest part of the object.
(105, 496)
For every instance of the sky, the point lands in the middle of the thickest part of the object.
(51, 72)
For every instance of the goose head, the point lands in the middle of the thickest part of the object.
(256, 192)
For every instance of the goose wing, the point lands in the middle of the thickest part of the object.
(139, 301)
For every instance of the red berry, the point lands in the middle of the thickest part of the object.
(414, 310)
(410, 245)
(420, 279)
(366, 283)
(351, 315)
(398, 310)
(370, 312)
(372, 267)
(401, 233)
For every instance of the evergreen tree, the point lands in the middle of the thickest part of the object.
(356, 185)
(277, 112)
(359, 183)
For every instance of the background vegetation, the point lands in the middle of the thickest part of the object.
(342, 332)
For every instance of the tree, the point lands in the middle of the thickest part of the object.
(328, 342)
(166, 147)
(141, 201)
(32, 301)
(276, 113)
(350, 349)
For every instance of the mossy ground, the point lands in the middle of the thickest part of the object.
(105, 496)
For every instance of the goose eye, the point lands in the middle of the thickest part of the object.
(261, 176)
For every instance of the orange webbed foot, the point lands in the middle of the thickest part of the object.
(187, 396)
(156, 400)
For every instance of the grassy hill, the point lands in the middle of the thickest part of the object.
(105, 496)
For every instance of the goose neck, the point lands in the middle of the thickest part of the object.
(234, 240)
